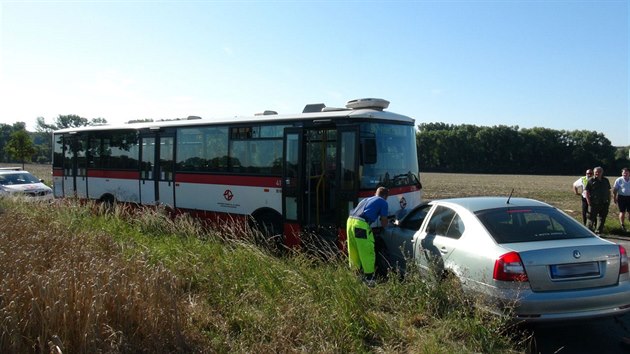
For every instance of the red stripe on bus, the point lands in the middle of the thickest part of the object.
(273, 182)
(392, 191)
(57, 173)
(114, 174)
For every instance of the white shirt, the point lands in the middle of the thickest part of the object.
(581, 183)
(622, 186)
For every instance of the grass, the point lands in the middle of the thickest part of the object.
(76, 278)
(65, 283)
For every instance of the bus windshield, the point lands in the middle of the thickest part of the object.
(396, 156)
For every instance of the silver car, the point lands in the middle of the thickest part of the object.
(518, 254)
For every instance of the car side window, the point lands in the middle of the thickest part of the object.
(446, 222)
(456, 228)
(414, 220)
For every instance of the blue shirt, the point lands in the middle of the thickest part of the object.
(370, 209)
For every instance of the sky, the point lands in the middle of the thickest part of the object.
(554, 64)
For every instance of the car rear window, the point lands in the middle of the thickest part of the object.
(530, 224)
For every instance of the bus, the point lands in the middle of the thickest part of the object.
(290, 173)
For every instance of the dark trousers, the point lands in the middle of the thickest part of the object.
(597, 217)
(584, 210)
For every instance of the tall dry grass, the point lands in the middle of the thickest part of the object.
(74, 290)
(123, 280)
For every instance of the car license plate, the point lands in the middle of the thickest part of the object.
(575, 270)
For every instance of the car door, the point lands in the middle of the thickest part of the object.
(438, 240)
(397, 240)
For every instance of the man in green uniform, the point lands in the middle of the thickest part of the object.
(598, 198)
(361, 251)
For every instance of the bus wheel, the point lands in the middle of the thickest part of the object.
(269, 224)
(107, 202)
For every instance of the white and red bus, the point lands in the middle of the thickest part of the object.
(290, 173)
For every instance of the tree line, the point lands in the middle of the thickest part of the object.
(512, 150)
(19, 145)
(441, 147)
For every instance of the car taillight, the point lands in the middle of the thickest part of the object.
(509, 267)
(623, 260)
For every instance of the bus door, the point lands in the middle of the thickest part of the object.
(320, 192)
(348, 171)
(156, 169)
(147, 170)
(311, 180)
(74, 167)
(292, 183)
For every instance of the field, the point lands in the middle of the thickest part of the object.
(555, 190)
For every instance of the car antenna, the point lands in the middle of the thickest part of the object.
(510, 197)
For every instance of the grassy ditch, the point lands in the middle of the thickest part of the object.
(78, 279)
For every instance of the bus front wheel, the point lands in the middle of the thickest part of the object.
(269, 224)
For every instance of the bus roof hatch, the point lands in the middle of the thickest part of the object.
(313, 107)
(373, 103)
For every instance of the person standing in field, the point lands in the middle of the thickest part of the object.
(621, 195)
(598, 198)
(579, 188)
(361, 243)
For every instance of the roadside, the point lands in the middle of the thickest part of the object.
(617, 237)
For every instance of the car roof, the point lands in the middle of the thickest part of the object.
(11, 172)
(475, 204)
(14, 168)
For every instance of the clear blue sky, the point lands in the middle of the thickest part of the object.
(553, 64)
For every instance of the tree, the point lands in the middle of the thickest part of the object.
(43, 136)
(20, 146)
(591, 149)
(43, 145)
(43, 127)
(5, 134)
(67, 121)
(502, 149)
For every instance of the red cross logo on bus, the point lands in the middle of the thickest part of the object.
(228, 195)
(403, 203)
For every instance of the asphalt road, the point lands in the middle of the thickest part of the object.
(610, 335)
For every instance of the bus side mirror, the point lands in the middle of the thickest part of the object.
(369, 151)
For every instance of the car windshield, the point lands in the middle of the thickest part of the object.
(530, 224)
(17, 178)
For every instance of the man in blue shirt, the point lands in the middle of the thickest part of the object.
(361, 251)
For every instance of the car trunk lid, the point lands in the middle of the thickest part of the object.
(572, 267)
